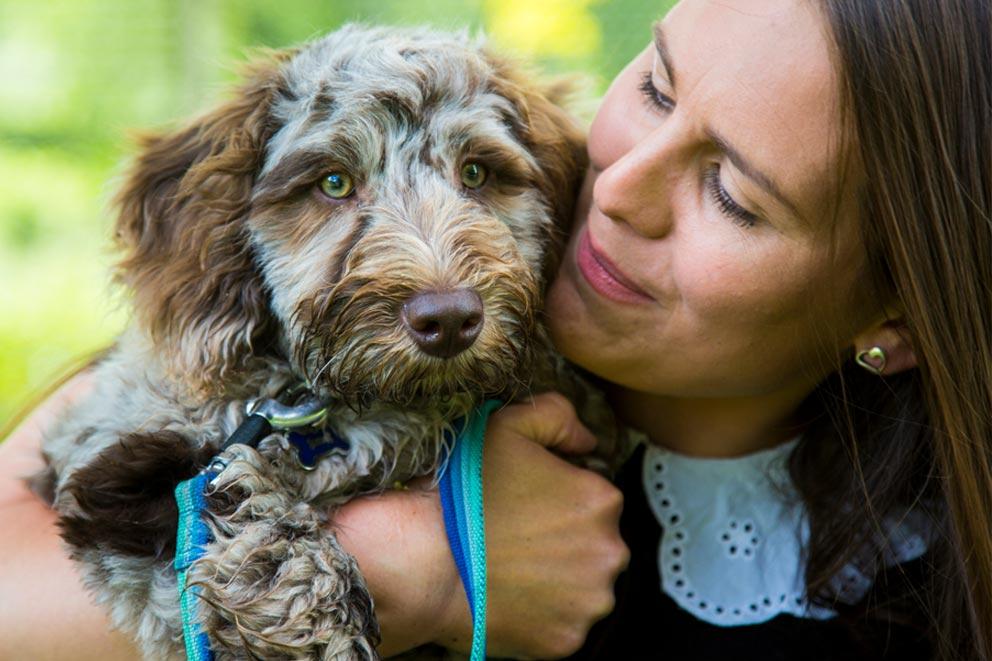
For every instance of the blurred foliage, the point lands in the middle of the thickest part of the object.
(79, 74)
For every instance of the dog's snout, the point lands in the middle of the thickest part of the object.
(445, 323)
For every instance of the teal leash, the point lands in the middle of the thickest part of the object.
(460, 488)
(191, 537)
(192, 534)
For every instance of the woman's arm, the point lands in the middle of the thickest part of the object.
(553, 543)
(45, 610)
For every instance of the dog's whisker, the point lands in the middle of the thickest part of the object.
(320, 371)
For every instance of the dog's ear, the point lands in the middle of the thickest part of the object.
(187, 258)
(553, 136)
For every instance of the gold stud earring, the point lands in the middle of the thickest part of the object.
(872, 360)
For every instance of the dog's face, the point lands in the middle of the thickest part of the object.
(382, 207)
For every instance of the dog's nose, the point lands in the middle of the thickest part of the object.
(445, 323)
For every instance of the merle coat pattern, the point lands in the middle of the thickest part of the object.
(247, 278)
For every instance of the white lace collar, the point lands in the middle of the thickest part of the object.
(733, 534)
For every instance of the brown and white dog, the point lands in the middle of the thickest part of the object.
(376, 215)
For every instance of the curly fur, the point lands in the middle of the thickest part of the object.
(245, 279)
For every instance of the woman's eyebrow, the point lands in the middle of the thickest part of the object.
(751, 172)
(742, 164)
(662, 47)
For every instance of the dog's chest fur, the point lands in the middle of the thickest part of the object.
(386, 444)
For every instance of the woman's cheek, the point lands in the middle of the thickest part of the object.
(731, 291)
(713, 283)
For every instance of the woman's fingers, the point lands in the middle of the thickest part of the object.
(548, 419)
(554, 546)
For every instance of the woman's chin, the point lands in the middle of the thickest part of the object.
(592, 342)
(574, 331)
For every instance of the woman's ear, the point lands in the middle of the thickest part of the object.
(186, 252)
(892, 337)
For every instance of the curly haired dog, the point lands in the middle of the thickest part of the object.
(374, 214)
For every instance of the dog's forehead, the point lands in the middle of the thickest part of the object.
(377, 74)
(358, 59)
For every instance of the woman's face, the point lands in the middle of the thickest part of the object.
(715, 251)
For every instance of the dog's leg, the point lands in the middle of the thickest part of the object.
(118, 516)
(276, 583)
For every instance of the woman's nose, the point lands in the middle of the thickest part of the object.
(638, 187)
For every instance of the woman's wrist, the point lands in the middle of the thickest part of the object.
(399, 541)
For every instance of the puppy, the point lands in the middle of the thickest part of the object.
(372, 219)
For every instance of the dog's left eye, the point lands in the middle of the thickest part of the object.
(474, 175)
(337, 185)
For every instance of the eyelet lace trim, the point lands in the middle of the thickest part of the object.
(733, 534)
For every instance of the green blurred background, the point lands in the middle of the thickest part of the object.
(77, 75)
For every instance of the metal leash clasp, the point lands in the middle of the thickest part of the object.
(265, 415)
(311, 411)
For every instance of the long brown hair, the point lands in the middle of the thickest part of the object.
(917, 104)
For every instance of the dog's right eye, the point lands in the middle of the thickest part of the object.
(474, 175)
(337, 185)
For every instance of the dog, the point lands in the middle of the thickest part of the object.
(374, 215)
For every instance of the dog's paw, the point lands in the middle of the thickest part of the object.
(282, 588)
(244, 473)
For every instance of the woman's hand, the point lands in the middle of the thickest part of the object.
(552, 535)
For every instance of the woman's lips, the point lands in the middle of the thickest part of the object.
(603, 276)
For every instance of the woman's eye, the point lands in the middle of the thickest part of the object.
(655, 98)
(726, 204)
(337, 185)
(474, 175)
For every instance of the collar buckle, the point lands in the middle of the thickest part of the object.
(311, 411)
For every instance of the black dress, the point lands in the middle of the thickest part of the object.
(647, 624)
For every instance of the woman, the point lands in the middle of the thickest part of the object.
(782, 269)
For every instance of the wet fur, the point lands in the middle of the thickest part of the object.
(245, 280)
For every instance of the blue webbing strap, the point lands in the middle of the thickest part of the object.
(191, 536)
(460, 487)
